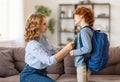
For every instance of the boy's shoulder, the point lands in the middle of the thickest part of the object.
(85, 29)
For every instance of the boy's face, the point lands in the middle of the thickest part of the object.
(77, 19)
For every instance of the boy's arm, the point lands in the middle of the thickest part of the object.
(86, 41)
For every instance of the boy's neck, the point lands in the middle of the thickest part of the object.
(84, 24)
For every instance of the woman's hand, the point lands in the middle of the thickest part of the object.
(63, 52)
(70, 46)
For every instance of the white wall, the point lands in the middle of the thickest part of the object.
(53, 4)
(15, 23)
(12, 27)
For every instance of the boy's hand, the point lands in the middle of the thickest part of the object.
(71, 53)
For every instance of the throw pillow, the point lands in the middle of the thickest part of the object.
(7, 67)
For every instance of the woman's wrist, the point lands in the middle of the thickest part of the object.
(69, 46)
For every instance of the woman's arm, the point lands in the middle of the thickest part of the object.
(63, 52)
(34, 49)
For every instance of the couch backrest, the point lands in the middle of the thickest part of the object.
(113, 67)
(114, 62)
(18, 57)
(19, 62)
(69, 67)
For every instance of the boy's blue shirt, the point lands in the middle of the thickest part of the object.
(86, 36)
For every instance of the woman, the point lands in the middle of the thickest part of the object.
(39, 54)
(84, 18)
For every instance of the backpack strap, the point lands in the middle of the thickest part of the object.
(89, 28)
(80, 40)
(86, 56)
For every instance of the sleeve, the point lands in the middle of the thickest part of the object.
(36, 50)
(86, 41)
(53, 49)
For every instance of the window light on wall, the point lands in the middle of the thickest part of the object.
(12, 21)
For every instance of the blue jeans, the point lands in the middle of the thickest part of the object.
(30, 74)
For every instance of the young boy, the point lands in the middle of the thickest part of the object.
(83, 17)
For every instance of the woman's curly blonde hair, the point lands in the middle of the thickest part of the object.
(33, 27)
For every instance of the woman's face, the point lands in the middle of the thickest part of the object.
(77, 19)
(44, 26)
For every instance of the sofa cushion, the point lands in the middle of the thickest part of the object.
(69, 65)
(67, 78)
(14, 78)
(53, 76)
(104, 78)
(7, 67)
(113, 67)
(114, 53)
(18, 56)
(93, 78)
(56, 68)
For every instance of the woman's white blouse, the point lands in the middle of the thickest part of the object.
(39, 54)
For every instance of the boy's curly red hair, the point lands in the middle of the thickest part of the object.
(87, 14)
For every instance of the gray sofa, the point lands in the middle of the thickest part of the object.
(12, 62)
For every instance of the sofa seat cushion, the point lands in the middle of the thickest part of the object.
(7, 67)
(93, 78)
(67, 78)
(14, 78)
(54, 76)
(105, 78)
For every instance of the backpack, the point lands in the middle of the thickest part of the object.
(97, 59)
